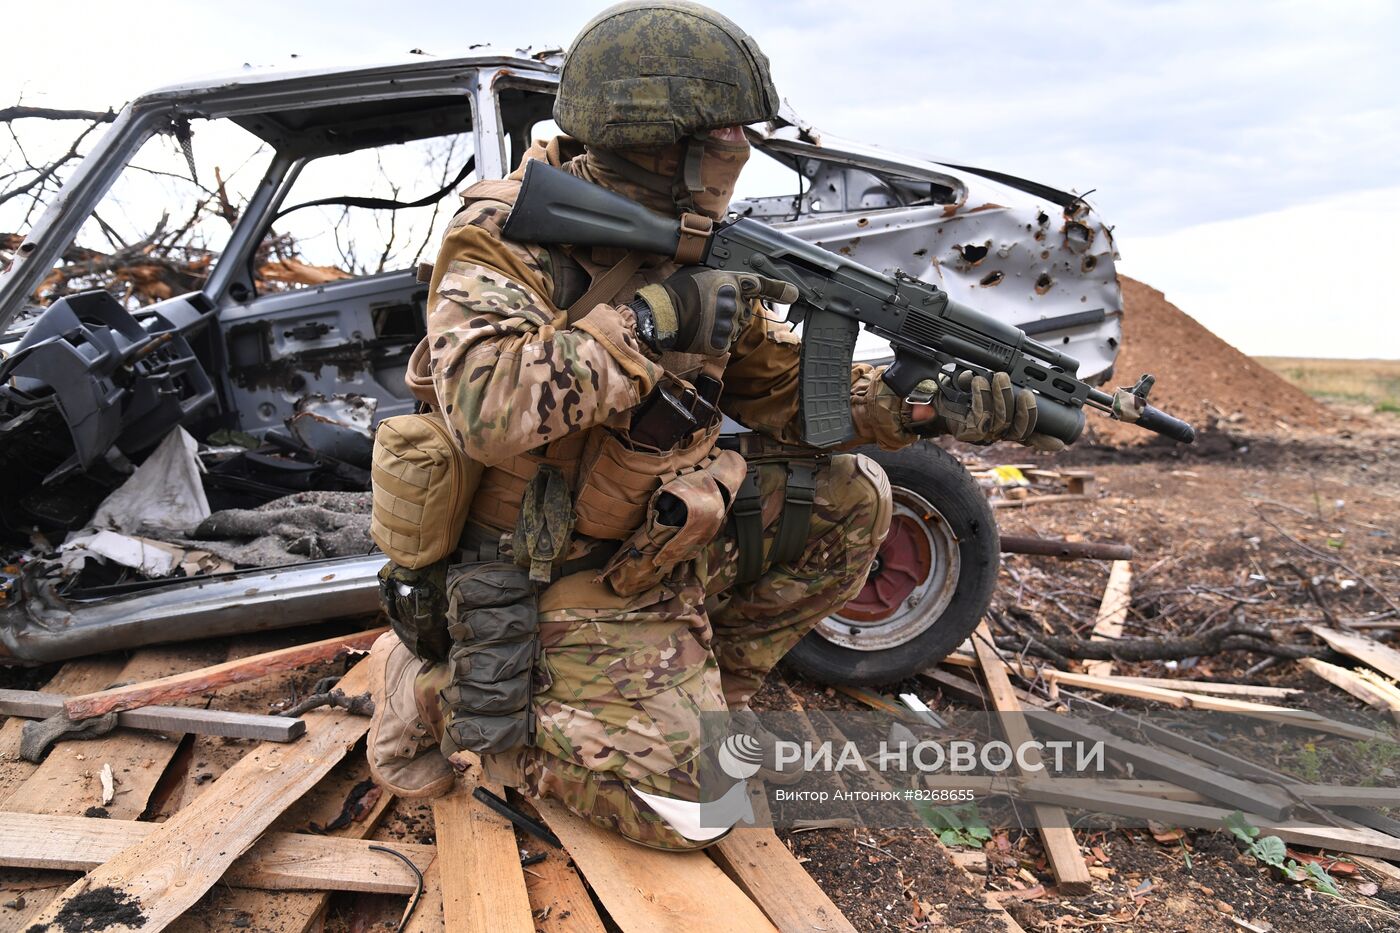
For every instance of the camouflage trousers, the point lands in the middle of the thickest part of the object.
(626, 679)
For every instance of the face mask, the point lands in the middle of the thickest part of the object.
(720, 166)
(723, 155)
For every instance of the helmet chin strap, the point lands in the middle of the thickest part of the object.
(687, 181)
(681, 187)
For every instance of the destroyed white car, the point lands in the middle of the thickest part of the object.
(259, 383)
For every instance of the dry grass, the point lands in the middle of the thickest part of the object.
(1375, 383)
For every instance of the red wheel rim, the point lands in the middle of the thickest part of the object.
(904, 562)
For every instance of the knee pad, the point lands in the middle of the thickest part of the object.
(871, 505)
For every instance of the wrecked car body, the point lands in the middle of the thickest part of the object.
(273, 392)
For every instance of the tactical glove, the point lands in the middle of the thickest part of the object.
(699, 310)
(996, 411)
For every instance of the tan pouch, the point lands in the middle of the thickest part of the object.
(423, 485)
(682, 517)
(616, 481)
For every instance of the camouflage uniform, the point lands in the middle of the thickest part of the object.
(623, 680)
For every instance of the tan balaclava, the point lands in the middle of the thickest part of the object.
(656, 178)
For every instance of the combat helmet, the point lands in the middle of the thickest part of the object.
(649, 74)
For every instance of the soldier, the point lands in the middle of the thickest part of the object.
(589, 384)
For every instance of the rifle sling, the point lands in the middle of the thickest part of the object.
(605, 286)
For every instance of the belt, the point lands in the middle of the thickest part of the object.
(755, 447)
(483, 543)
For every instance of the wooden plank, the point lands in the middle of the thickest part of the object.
(1366, 650)
(81, 676)
(67, 780)
(1113, 611)
(1061, 848)
(289, 911)
(1146, 759)
(1180, 699)
(1355, 840)
(172, 868)
(192, 683)
(758, 862)
(559, 897)
(649, 891)
(211, 756)
(1038, 500)
(1367, 691)
(277, 862)
(1329, 795)
(1205, 686)
(984, 785)
(33, 704)
(427, 916)
(483, 887)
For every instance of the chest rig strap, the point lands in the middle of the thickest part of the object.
(746, 516)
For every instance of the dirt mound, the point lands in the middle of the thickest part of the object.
(1201, 377)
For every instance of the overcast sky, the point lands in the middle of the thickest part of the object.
(1246, 153)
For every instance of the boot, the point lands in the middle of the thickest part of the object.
(404, 756)
(764, 750)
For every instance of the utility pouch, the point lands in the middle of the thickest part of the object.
(682, 517)
(493, 623)
(423, 485)
(544, 526)
(415, 600)
(617, 480)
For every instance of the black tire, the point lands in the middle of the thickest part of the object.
(941, 611)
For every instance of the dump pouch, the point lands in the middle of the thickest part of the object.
(617, 480)
(682, 517)
(423, 485)
(415, 600)
(493, 623)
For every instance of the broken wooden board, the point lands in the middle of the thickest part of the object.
(1061, 848)
(1038, 500)
(427, 916)
(1355, 840)
(33, 704)
(278, 861)
(758, 862)
(1180, 699)
(290, 911)
(1205, 686)
(559, 898)
(170, 870)
(1113, 612)
(685, 892)
(483, 887)
(1366, 650)
(1377, 695)
(192, 683)
(80, 676)
(1146, 759)
(66, 782)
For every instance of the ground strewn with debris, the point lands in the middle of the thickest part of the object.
(1282, 517)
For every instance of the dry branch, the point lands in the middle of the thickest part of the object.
(1235, 635)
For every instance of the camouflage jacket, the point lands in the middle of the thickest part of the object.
(511, 374)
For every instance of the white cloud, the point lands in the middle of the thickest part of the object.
(1302, 281)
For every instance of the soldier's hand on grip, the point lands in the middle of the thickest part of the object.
(996, 411)
(699, 310)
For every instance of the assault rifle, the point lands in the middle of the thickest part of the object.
(933, 336)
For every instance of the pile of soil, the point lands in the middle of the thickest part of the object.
(1201, 378)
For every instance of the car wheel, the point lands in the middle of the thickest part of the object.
(929, 585)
